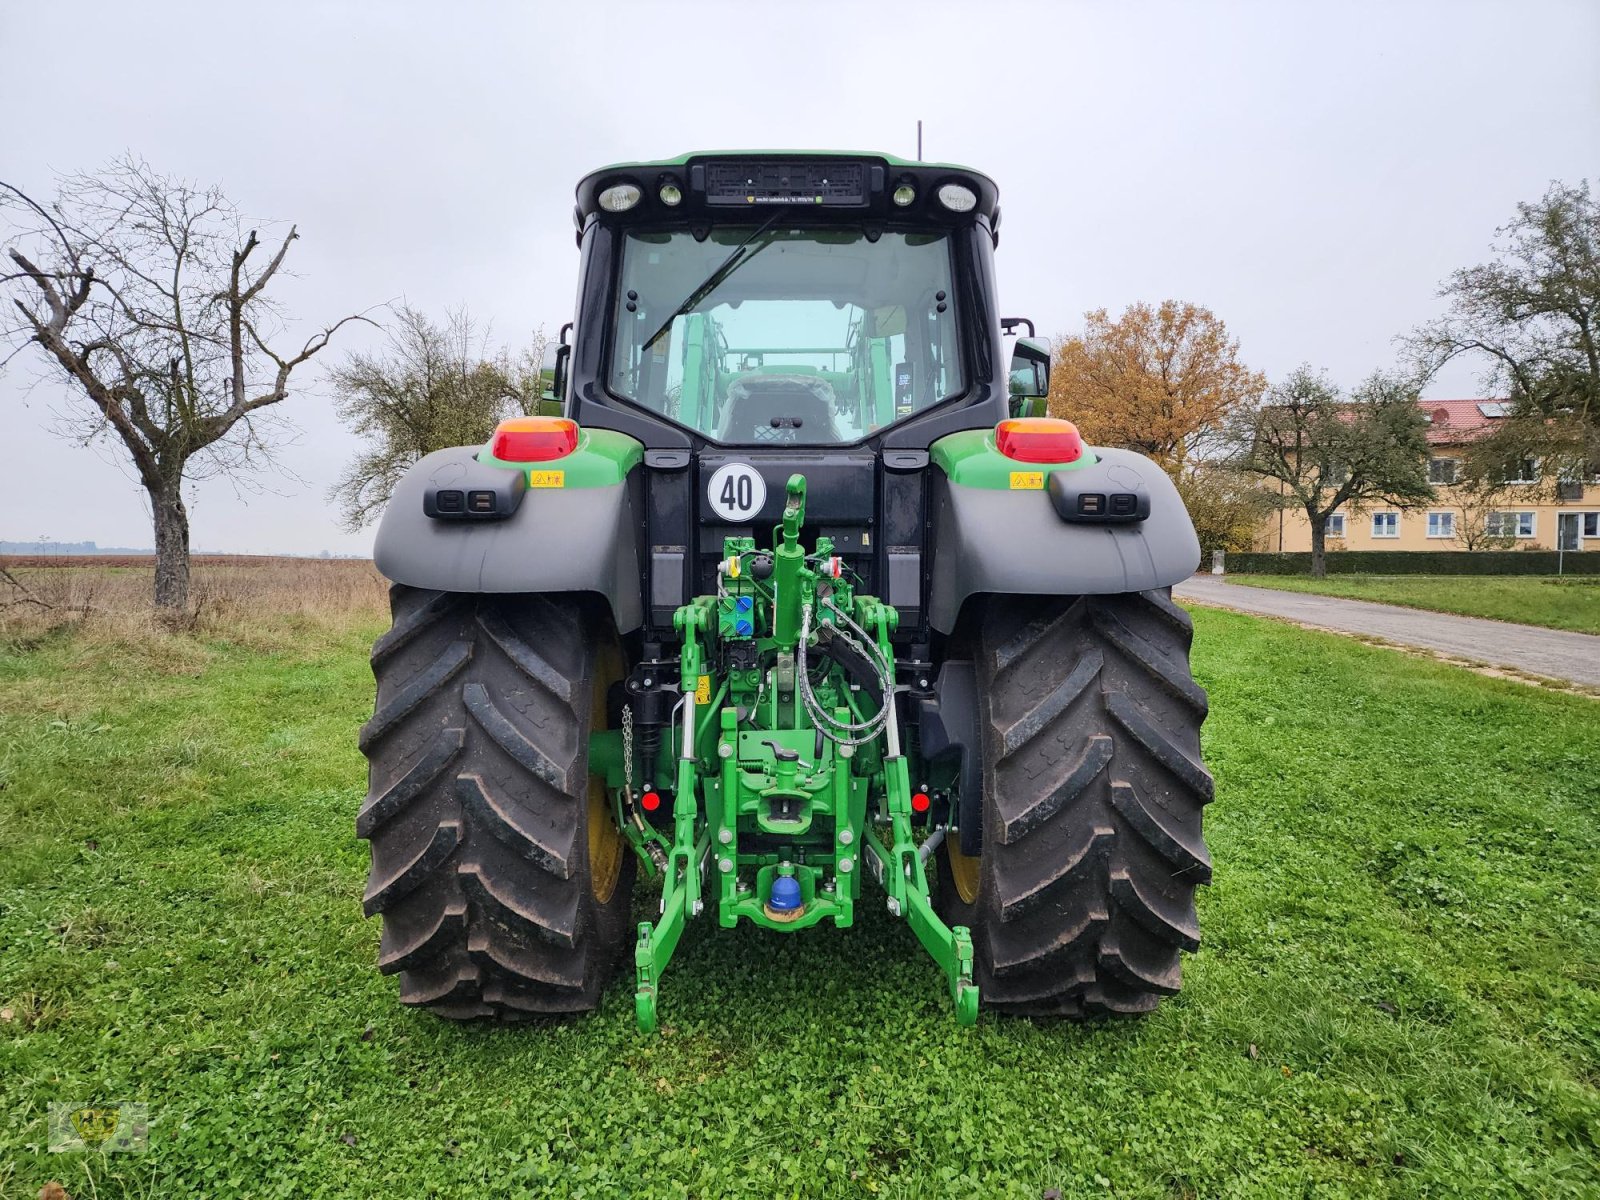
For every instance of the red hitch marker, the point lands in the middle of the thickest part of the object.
(651, 801)
(920, 802)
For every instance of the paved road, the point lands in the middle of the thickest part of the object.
(1550, 652)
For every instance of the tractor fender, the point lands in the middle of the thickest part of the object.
(567, 539)
(996, 540)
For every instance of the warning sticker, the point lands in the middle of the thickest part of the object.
(1031, 481)
(553, 479)
(702, 690)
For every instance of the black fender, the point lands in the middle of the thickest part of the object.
(988, 540)
(579, 539)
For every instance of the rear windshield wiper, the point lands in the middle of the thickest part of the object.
(741, 255)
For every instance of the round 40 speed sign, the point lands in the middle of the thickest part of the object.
(736, 492)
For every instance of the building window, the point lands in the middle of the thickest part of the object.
(1386, 525)
(1591, 524)
(1510, 524)
(1442, 470)
(1519, 470)
(1335, 527)
(1441, 524)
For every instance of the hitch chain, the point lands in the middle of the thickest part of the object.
(627, 750)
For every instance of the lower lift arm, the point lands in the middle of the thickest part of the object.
(680, 890)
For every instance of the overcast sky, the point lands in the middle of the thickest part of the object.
(1309, 171)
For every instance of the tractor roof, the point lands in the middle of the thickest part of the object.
(726, 182)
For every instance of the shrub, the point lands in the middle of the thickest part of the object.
(1419, 562)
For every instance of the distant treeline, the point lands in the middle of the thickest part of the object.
(38, 549)
(42, 547)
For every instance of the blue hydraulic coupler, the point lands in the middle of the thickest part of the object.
(785, 901)
(737, 619)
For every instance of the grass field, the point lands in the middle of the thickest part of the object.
(1398, 994)
(1572, 602)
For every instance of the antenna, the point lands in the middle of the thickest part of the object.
(919, 139)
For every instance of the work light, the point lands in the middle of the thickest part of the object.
(619, 197)
(957, 197)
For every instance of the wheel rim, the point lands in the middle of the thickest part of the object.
(605, 840)
(963, 868)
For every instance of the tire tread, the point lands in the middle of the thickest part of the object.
(477, 806)
(1094, 792)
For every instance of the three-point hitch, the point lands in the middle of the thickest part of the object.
(789, 780)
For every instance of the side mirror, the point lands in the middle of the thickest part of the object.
(1030, 378)
(557, 391)
(558, 377)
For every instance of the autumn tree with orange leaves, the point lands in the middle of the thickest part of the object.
(1162, 381)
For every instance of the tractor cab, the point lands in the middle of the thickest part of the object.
(784, 300)
(749, 316)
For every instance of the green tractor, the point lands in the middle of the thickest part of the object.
(801, 605)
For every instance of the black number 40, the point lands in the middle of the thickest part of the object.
(738, 493)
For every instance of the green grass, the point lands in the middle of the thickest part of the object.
(1399, 991)
(1572, 602)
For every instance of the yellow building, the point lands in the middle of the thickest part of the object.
(1533, 512)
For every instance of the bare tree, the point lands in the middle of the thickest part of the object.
(1532, 315)
(430, 387)
(1331, 450)
(1482, 525)
(150, 294)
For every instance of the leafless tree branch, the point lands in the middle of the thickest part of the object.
(137, 287)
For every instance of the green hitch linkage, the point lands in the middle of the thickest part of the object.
(680, 888)
(897, 864)
(789, 560)
(900, 867)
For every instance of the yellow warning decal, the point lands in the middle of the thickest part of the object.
(553, 479)
(1030, 481)
(702, 690)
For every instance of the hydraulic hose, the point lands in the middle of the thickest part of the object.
(839, 731)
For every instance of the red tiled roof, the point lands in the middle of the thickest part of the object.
(1452, 422)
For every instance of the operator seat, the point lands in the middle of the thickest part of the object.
(778, 410)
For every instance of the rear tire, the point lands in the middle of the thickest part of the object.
(503, 884)
(1082, 897)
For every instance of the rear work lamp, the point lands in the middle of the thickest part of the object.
(958, 197)
(620, 197)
